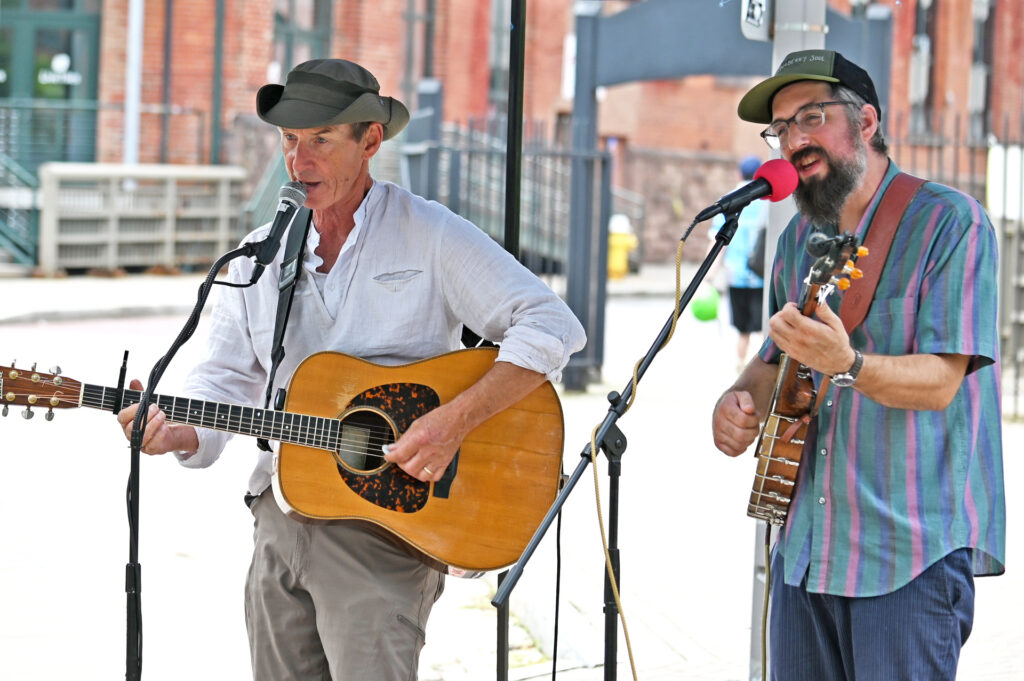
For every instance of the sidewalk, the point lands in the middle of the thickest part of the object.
(29, 299)
(687, 547)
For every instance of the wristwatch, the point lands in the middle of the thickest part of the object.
(849, 377)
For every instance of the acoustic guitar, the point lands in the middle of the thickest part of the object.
(339, 411)
(794, 400)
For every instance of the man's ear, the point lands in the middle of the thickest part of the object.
(372, 139)
(868, 121)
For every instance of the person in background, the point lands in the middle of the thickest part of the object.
(391, 278)
(746, 287)
(899, 499)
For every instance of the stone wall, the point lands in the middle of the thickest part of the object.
(676, 186)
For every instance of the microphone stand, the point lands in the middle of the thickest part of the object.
(613, 442)
(133, 570)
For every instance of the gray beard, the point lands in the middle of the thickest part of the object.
(821, 201)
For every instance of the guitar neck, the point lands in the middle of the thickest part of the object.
(299, 429)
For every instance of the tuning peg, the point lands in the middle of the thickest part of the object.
(28, 413)
(862, 251)
(49, 415)
(852, 271)
(4, 411)
(843, 284)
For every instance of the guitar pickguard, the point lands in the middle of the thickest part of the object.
(392, 488)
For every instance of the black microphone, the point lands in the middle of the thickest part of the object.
(775, 180)
(292, 196)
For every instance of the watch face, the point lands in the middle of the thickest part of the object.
(842, 380)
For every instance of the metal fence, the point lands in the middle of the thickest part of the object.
(466, 172)
(464, 167)
(989, 165)
(34, 131)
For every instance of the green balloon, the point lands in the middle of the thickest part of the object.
(705, 303)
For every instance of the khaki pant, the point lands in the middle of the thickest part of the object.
(331, 602)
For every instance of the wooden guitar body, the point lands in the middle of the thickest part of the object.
(481, 515)
(779, 449)
(780, 446)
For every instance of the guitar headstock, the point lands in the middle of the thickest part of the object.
(836, 258)
(30, 388)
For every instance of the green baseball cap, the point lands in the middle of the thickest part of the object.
(824, 65)
(327, 92)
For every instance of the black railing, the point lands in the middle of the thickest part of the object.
(34, 131)
(19, 215)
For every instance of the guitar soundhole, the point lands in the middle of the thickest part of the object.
(375, 415)
(363, 433)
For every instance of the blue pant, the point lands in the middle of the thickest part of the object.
(912, 634)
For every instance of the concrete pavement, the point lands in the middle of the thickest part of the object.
(687, 547)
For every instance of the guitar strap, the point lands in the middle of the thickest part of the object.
(291, 269)
(884, 224)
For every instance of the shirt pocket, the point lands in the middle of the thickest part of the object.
(888, 327)
(395, 282)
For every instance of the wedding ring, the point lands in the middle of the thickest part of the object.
(429, 472)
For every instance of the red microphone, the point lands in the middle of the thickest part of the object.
(774, 180)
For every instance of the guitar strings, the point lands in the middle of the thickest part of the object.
(327, 437)
(376, 437)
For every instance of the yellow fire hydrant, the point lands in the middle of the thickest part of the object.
(621, 242)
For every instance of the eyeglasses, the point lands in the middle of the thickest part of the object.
(807, 119)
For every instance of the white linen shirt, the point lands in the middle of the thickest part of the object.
(410, 274)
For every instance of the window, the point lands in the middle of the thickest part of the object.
(981, 68)
(498, 52)
(55, 5)
(302, 31)
(921, 68)
(6, 45)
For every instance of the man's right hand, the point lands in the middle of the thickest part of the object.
(734, 423)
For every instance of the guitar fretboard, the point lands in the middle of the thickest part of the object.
(300, 429)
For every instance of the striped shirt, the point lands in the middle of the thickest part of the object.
(887, 492)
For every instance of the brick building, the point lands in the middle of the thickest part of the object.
(63, 76)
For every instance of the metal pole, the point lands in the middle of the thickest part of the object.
(513, 183)
(165, 117)
(581, 214)
(799, 25)
(514, 139)
(218, 83)
(133, 81)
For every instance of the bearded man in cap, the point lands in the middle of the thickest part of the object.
(392, 278)
(899, 499)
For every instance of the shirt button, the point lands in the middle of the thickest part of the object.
(829, 403)
(821, 500)
(824, 452)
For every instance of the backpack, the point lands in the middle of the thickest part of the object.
(755, 261)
